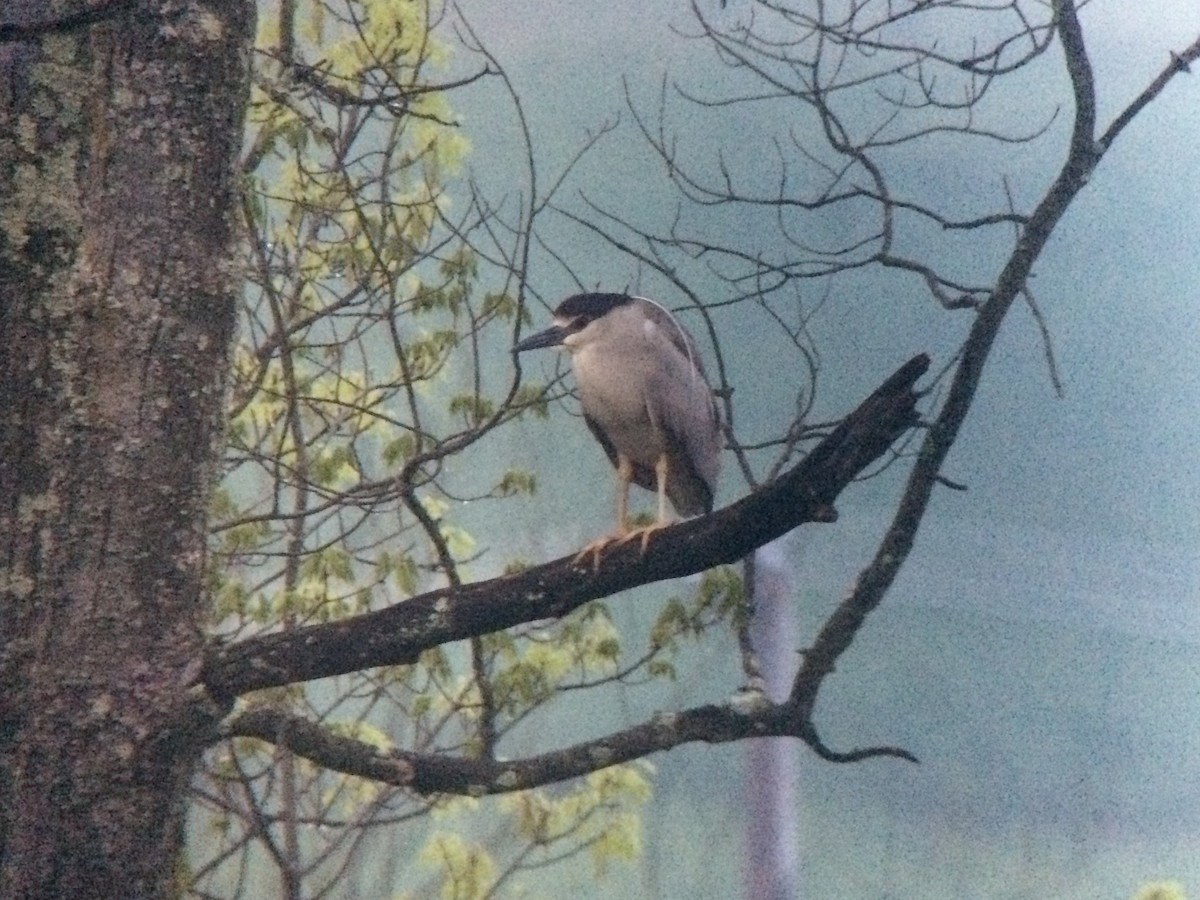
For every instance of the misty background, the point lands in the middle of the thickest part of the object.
(1040, 651)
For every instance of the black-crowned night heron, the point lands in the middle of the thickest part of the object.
(646, 400)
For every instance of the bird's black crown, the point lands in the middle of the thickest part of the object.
(590, 306)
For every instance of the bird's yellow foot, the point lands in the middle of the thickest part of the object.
(644, 534)
(596, 548)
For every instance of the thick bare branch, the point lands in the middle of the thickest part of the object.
(397, 635)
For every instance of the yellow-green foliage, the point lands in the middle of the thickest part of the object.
(355, 312)
(584, 647)
(1161, 890)
(599, 813)
(721, 597)
(468, 870)
(366, 363)
(598, 816)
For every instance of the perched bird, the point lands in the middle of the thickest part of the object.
(645, 399)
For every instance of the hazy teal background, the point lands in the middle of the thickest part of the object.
(1041, 651)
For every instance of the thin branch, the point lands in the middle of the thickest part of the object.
(430, 773)
(1047, 341)
(1180, 63)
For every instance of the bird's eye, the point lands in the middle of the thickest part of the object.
(579, 323)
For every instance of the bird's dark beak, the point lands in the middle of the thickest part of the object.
(551, 337)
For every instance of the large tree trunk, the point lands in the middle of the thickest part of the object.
(120, 125)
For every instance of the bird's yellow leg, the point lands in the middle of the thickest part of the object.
(596, 547)
(624, 477)
(661, 468)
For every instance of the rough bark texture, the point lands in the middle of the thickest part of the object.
(119, 128)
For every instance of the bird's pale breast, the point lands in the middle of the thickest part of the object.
(612, 384)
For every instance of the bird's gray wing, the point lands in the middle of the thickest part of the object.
(672, 329)
(693, 449)
(680, 401)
